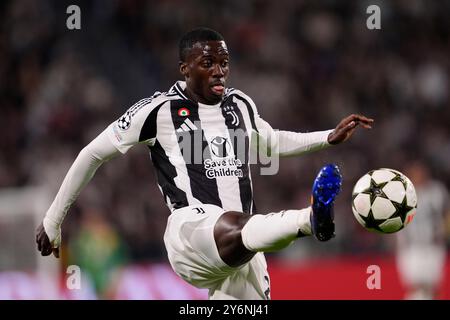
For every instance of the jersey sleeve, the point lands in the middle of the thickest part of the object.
(284, 143)
(90, 158)
(136, 125)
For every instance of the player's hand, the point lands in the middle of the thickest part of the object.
(43, 243)
(347, 126)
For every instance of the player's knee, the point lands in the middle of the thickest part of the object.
(227, 234)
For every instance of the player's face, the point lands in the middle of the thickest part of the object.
(206, 71)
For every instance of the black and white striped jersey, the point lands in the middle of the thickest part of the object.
(201, 152)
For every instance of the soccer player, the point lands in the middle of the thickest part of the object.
(421, 247)
(200, 134)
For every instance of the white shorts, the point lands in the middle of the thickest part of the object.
(193, 255)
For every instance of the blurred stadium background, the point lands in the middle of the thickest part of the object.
(305, 63)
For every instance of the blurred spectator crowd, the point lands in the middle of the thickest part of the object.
(306, 64)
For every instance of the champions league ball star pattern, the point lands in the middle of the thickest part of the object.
(124, 121)
(384, 201)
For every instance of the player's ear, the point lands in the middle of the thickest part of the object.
(184, 69)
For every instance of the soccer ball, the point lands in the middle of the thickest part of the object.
(384, 200)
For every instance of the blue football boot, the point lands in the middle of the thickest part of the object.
(326, 187)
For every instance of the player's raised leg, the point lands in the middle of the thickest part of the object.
(238, 237)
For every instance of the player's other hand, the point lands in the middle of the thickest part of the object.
(347, 126)
(43, 243)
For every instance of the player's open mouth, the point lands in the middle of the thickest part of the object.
(218, 89)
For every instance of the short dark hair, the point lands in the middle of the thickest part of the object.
(188, 40)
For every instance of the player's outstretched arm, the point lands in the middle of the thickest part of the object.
(347, 126)
(48, 234)
(289, 143)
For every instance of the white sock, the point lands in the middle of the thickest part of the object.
(275, 231)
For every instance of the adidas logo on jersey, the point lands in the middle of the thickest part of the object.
(186, 126)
